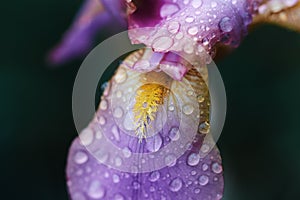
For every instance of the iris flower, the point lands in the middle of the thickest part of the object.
(138, 144)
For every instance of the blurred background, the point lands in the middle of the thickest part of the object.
(260, 143)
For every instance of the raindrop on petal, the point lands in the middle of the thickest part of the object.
(175, 185)
(173, 27)
(203, 180)
(162, 43)
(193, 159)
(188, 109)
(216, 168)
(80, 157)
(136, 185)
(174, 133)
(196, 3)
(126, 152)
(226, 25)
(116, 178)
(118, 112)
(154, 143)
(116, 133)
(121, 76)
(103, 104)
(86, 136)
(96, 191)
(168, 9)
(170, 160)
(154, 176)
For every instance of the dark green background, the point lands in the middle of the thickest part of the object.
(260, 144)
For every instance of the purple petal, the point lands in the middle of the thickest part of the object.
(89, 179)
(185, 25)
(172, 64)
(174, 162)
(78, 40)
(117, 9)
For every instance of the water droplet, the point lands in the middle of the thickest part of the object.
(188, 146)
(190, 92)
(154, 143)
(174, 133)
(188, 48)
(116, 133)
(101, 155)
(96, 191)
(136, 185)
(106, 175)
(162, 43)
(189, 19)
(204, 167)
(152, 189)
(171, 108)
(119, 197)
(193, 159)
(168, 9)
(118, 161)
(225, 24)
(170, 160)
(214, 4)
(204, 148)
(121, 76)
(173, 27)
(188, 109)
(204, 127)
(118, 112)
(116, 178)
(205, 41)
(186, 2)
(126, 152)
(154, 176)
(203, 180)
(193, 173)
(179, 36)
(103, 104)
(80, 157)
(197, 191)
(98, 135)
(193, 30)
(200, 98)
(142, 65)
(175, 185)
(216, 168)
(219, 196)
(101, 120)
(196, 3)
(86, 137)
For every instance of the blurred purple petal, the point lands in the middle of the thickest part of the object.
(78, 40)
(116, 8)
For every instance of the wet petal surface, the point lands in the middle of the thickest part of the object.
(190, 26)
(175, 161)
